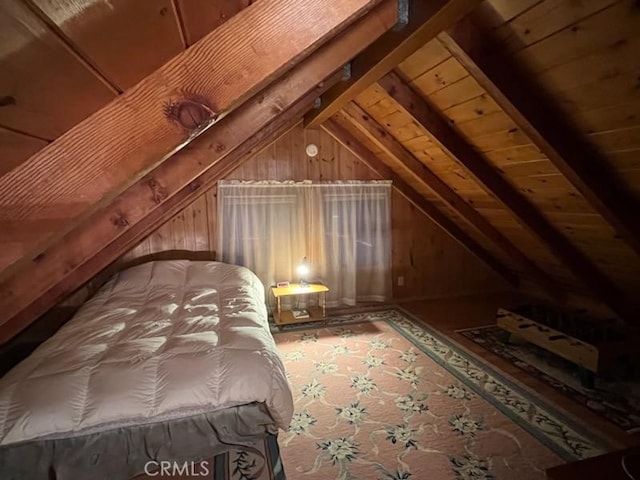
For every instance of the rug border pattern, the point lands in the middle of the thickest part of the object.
(593, 444)
(569, 391)
(442, 349)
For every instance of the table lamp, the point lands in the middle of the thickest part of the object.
(303, 271)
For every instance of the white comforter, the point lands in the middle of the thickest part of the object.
(159, 341)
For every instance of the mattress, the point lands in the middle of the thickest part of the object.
(160, 343)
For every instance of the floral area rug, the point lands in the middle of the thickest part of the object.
(389, 398)
(616, 400)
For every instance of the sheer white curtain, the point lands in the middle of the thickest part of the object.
(342, 228)
(357, 240)
(262, 227)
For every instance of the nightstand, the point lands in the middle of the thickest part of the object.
(315, 312)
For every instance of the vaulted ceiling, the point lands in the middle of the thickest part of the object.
(514, 125)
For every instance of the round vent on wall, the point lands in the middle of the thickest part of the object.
(312, 150)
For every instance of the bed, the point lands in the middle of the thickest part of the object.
(170, 360)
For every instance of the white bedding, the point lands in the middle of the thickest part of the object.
(159, 341)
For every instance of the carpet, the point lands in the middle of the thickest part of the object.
(616, 400)
(379, 395)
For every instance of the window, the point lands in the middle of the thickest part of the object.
(342, 228)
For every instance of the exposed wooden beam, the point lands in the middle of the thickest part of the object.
(100, 157)
(529, 216)
(425, 21)
(38, 286)
(546, 125)
(82, 273)
(341, 133)
(379, 137)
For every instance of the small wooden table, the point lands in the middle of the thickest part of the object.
(316, 312)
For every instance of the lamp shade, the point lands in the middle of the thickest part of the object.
(303, 269)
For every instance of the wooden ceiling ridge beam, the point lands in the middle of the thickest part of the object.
(450, 141)
(425, 20)
(545, 124)
(87, 167)
(83, 252)
(385, 141)
(342, 134)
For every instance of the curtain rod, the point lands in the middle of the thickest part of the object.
(376, 183)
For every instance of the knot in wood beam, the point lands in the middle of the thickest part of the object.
(192, 112)
(158, 191)
(120, 221)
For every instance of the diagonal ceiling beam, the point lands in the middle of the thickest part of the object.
(42, 283)
(340, 130)
(425, 21)
(528, 215)
(546, 125)
(85, 271)
(87, 167)
(379, 137)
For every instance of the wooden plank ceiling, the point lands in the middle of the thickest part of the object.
(531, 136)
(514, 125)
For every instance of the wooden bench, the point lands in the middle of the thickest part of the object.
(591, 357)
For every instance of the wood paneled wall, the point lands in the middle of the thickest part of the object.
(431, 263)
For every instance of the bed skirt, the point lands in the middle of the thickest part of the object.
(123, 453)
(259, 461)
